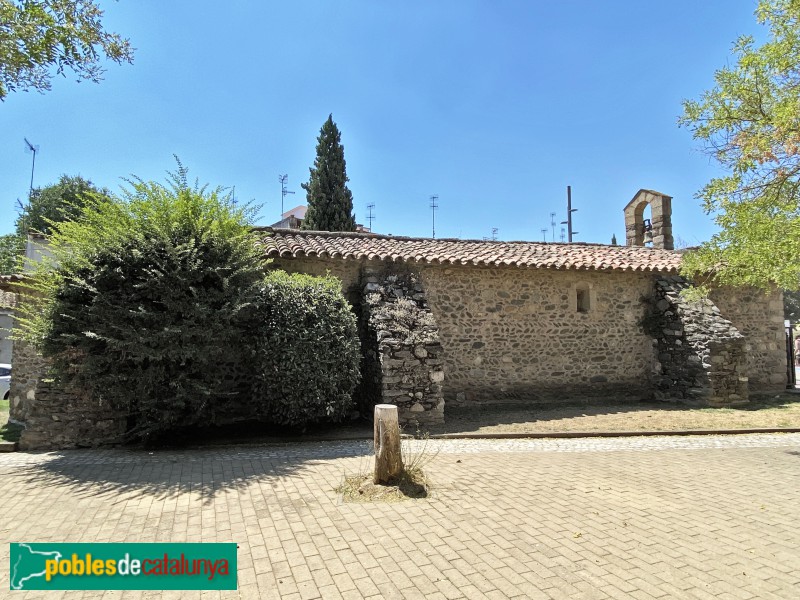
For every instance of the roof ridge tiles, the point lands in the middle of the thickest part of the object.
(368, 246)
(381, 236)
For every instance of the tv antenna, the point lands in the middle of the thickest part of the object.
(34, 150)
(434, 206)
(370, 216)
(283, 179)
(570, 210)
(553, 225)
(544, 234)
(494, 233)
(563, 233)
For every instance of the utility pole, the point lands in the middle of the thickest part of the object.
(370, 216)
(283, 179)
(434, 206)
(570, 210)
(34, 149)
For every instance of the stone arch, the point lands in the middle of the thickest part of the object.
(661, 219)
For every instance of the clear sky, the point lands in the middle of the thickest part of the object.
(494, 105)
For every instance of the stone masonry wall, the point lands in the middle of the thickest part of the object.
(508, 334)
(408, 347)
(54, 418)
(514, 335)
(6, 326)
(349, 272)
(701, 355)
(759, 317)
(28, 369)
(57, 419)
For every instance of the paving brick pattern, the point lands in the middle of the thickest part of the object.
(701, 517)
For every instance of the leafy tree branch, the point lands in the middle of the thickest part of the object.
(750, 123)
(39, 36)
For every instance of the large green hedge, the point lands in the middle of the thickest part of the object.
(157, 304)
(306, 351)
(142, 307)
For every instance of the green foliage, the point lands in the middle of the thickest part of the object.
(39, 35)
(330, 202)
(12, 249)
(141, 307)
(62, 201)
(750, 123)
(306, 350)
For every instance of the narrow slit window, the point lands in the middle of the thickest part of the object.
(582, 299)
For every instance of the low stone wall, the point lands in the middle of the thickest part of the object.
(408, 347)
(6, 326)
(56, 419)
(701, 355)
(28, 370)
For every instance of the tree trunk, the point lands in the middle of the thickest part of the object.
(388, 461)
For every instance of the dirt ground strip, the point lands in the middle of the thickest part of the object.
(764, 411)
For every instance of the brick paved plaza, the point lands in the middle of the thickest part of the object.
(671, 517)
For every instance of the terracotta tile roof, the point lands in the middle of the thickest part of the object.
(357, 246)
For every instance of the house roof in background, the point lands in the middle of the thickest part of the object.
(298, 212)
(288, 243)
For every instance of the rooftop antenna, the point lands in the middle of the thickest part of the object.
(570, 210)
(283, 179)
(563, 232)
(553, 225)
(434, 206)
(370, 216)
(494, 233)
(34, 149)
(544, 234)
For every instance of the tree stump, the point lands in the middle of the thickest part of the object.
(388, 460)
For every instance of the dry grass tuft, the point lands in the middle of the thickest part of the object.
(412, 483)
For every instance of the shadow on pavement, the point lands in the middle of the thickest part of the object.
(121, 475)
(230, 460)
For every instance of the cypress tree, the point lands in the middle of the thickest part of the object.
(330, 202)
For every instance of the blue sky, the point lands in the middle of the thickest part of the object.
(495, 106)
